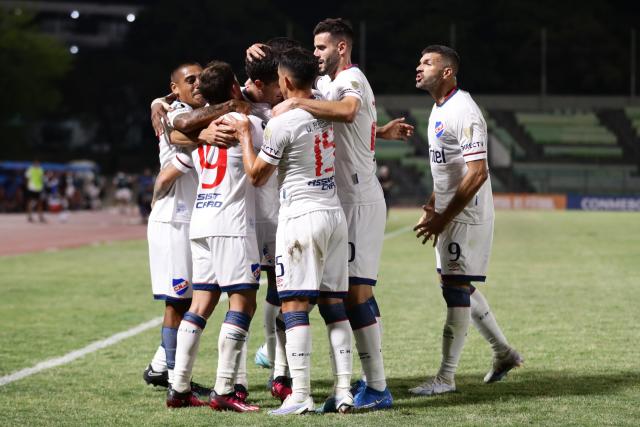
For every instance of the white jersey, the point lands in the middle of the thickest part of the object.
(303, 148)
(224, 204)
(355, 142)
(267, 204)
(457, 135)
(177, 205)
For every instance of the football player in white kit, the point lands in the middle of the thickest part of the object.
(459, 217)
(225, 255)
(168, 230)
(350, 104)
(311, 242)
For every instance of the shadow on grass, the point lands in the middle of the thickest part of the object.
(519, 385)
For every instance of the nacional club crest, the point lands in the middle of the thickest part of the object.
(255, 269)
(439, 129)
(180, 286)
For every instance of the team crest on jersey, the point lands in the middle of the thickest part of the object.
(180, 286)
(255, 269)
(439, 129)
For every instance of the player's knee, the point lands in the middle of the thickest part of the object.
(457, 296)
(358, 294)
(360, 316)
(332, 313)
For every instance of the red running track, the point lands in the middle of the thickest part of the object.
(18, 236)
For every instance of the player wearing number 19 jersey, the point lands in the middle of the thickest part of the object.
(311, 241)
(459, 215)
(224, 251)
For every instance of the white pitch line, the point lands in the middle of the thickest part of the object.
(76, 354)
(114, 339)
(399, 231)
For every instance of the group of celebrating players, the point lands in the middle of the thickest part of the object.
(280, 176)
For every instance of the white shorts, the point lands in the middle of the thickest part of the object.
(366, 225)
(169, 260)
(311, 255)
(224, 263)
(266, 236)
(463, 251)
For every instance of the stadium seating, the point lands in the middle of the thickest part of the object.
(390, 149)
(633, 113)
(574, 135)
(580, 177)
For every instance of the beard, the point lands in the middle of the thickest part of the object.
(330, 65)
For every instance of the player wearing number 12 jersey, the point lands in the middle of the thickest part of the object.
(311, 241)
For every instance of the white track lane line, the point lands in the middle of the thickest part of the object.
(114, 339)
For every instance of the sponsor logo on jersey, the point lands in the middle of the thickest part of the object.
(255, 269)
(317, 125)
(324, 183)
(470, 145)
(437, 156)
(208, 200)
(180, 286)
(439, 129)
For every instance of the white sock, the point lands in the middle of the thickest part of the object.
(370, 352)
(484, 320)
(280, 364)
(159, 361)
(454, 335)
(341, 359)
(270, 314)
(241, 374)
(299, 357)
(187, 345)
(230, 342)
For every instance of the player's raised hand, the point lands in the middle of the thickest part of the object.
(255, 52)
(158, 114)
(396, 129)
(218, 133)
(283, 107)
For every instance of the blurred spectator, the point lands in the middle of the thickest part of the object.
(35, 190)
(123, 194)
(384, 176)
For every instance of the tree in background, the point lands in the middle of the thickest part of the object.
(32, 65)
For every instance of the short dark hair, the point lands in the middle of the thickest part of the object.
(183, 64)
(336, 27)
(216, 82)
(303, 66)
(447, 53)
(264, 69)
(280, 44)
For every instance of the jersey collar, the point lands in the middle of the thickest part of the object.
(448, 96)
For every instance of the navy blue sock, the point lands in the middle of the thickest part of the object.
(456, 296)
(295, 318)
(360, 316)
(332, 313)
(169, 341)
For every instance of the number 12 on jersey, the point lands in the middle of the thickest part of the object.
(323, 147)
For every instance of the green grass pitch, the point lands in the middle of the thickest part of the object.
(565, 287)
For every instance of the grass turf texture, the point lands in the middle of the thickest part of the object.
(564, 286)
